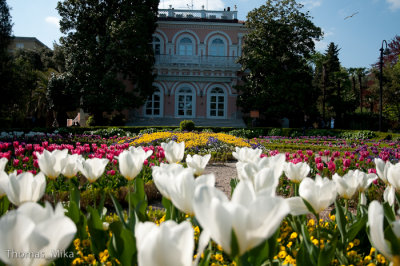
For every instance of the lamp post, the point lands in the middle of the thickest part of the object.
(380, 82)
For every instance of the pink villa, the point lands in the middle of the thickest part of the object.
(196, 53)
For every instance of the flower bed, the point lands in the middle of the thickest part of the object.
(199, 223)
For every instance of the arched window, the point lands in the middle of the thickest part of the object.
(216, 103)
(154, 104)
(217, 48)
(185, 102)
(185, 46)
(156, 45)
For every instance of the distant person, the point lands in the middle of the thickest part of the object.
(332, 122)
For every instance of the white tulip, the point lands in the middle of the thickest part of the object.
(364, 181)
(381, 168)
(346, 186)
(180, 186)
(376, 224)
(173, 151)
(166, 173)
(3, 163)
(246, 154)
(71, 165)
(131, 161)
(25, 187)
(393, 175)
(169, 244)
(92, 169)
(35, 235)
(197, 162)
(296, 172)
(253, 218)
(4, 180)
(263, 173)
(320, 194)
(52, 163)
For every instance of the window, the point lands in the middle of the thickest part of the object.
(217, 48)
(153, 104)
(156, 45)
(216, 106)
(185, 102)
(185, 46)
(19, 45)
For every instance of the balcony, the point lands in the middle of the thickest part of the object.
(183, 14)
(197, 61)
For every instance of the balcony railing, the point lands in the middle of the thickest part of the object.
(197, 14)
(188, 60)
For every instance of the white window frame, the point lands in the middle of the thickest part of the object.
(209, 95)
(179, 93)
(159, 93)
(183, 48)
(220, 47)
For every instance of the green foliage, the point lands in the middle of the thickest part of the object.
(107, 133)
(358, 135)
(114, 47)
(186, 125)
(275, 132)
(90, 122)
(275, 50)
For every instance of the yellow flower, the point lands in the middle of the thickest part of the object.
(350, 245)
(293, 235)
(380, 258)
(372, 250)
(219, 257)
(86, 243)
(367, 258)
(315, 242)
(219, 248)
(289, 245)
(332, 217)
(282, 254)
(311, 222)
(77, 243)
(356, 242)
(77, 261)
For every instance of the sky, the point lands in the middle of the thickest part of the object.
(358, 37)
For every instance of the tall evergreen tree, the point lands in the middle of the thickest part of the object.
(105, 43)
(275, 52)
(5, 60)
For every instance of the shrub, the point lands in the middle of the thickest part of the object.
(187, 125)
(275, 132)
(90, 122)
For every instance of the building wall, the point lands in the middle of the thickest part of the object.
(203, 77)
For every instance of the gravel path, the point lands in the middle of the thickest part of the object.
(223, 172)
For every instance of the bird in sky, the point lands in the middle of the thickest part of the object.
(355, 13)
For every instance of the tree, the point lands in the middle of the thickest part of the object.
(280, 39)
(5, 59)
(5, 28)
(361, 72)
(105, 43)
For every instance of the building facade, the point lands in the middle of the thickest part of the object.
(196, 53)
(25, 43)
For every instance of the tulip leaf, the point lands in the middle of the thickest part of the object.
(389, 213)
(307, 254)
(391, 237)
(326, 254)
(356, 227)
(207, 256)
(309, 207)
(101, 204)
(118, 210)
(138, 200)
(122, 245)
(75, 196)
(340, 220)
(73, 212)
(4, 204)
(233, 184)
(97, 233)
(234, 245)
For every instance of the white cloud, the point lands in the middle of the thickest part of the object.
(394, 4)
(310, 4)
(53, 20)
(185, 4)
(327, 33)
(321, 46)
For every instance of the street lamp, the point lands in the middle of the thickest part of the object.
(380, 81)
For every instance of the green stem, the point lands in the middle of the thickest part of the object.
(237, 261)
(318, 234)
(296, 189)
(346, 206)
(93, 195)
